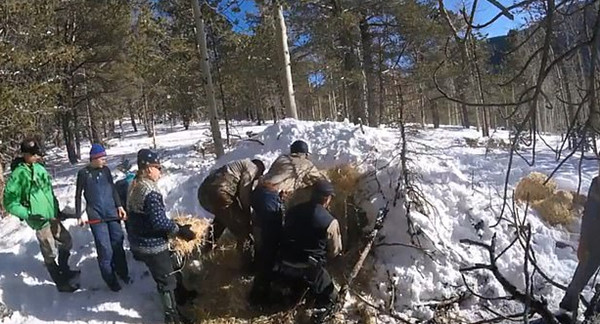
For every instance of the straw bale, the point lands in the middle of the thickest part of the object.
(556, 209)
(532, 188)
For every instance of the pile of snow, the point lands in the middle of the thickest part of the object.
(464, 187)
(462, 184)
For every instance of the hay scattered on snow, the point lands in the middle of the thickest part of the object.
(578, 199)
(556, 209)
(345, 179)
(367, 314)
(532, 188)
(200, 226)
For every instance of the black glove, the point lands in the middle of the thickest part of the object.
(61, 216)
(186, 233)
(37, 218)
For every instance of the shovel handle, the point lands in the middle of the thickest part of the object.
(98, 221)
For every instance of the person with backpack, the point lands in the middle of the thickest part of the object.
(105, 212)
(28, 195)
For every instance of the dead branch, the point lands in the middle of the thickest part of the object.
(383, 311)
(536, 305)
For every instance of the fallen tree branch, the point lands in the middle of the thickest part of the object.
(537, 306)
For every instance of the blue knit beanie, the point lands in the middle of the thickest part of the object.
(97, 151)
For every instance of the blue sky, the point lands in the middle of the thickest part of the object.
(485, 12)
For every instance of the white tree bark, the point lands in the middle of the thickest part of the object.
(288, 87)
(208, 82)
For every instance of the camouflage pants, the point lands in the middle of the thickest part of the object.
(228, 215)
(53, 238)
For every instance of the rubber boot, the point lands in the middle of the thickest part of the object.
(170, 307)
(322, 315)
(63, 264)
(62, 283)
(324, 305)
(182, 294)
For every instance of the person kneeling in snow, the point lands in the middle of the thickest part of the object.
(287, 175)
(588, 251)
(311, 235)
(104, 208)
(28, 195)
(226, 194)
(150, 228)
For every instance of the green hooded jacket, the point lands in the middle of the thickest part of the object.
(28, 191)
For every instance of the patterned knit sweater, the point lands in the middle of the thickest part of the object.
(149, 226)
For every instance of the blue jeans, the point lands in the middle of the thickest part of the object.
(109, 246)
(267, 224)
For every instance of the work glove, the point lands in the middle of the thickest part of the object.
(37, 218)
(61, 216)
(186, 233)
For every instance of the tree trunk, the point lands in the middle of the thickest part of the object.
(345, 100)
(435, 113)
(485, 125)
(354, 87)
(104, 128)
(69, 138)
(461, 88)
(224, 103)
(382, 94)
(111, 127)
(146, 112)
(367, 60)
(132, 116)
(92, 124)
(207, 79)
(288, 85)
(153, 129)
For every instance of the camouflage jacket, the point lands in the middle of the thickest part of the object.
(235, 179)
(291, 173)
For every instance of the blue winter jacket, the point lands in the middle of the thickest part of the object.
(99, 191)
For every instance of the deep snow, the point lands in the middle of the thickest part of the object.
(463, 185)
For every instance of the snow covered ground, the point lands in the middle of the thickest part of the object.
(463, 185)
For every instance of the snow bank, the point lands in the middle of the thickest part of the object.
(464, 187)
(462, 184)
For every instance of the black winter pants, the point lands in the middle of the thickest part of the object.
(161, 268)
(316, 279)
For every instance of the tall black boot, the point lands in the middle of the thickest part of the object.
(62, 283)
(170, 307)
(182, 294)
(63, 264)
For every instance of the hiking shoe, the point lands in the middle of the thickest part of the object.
(70, 274)
(114, 286)
(66, 287)
(320, 315)
(126, 279)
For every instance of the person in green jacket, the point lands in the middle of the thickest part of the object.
(28, 195)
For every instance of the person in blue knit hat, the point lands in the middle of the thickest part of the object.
(104, 209)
